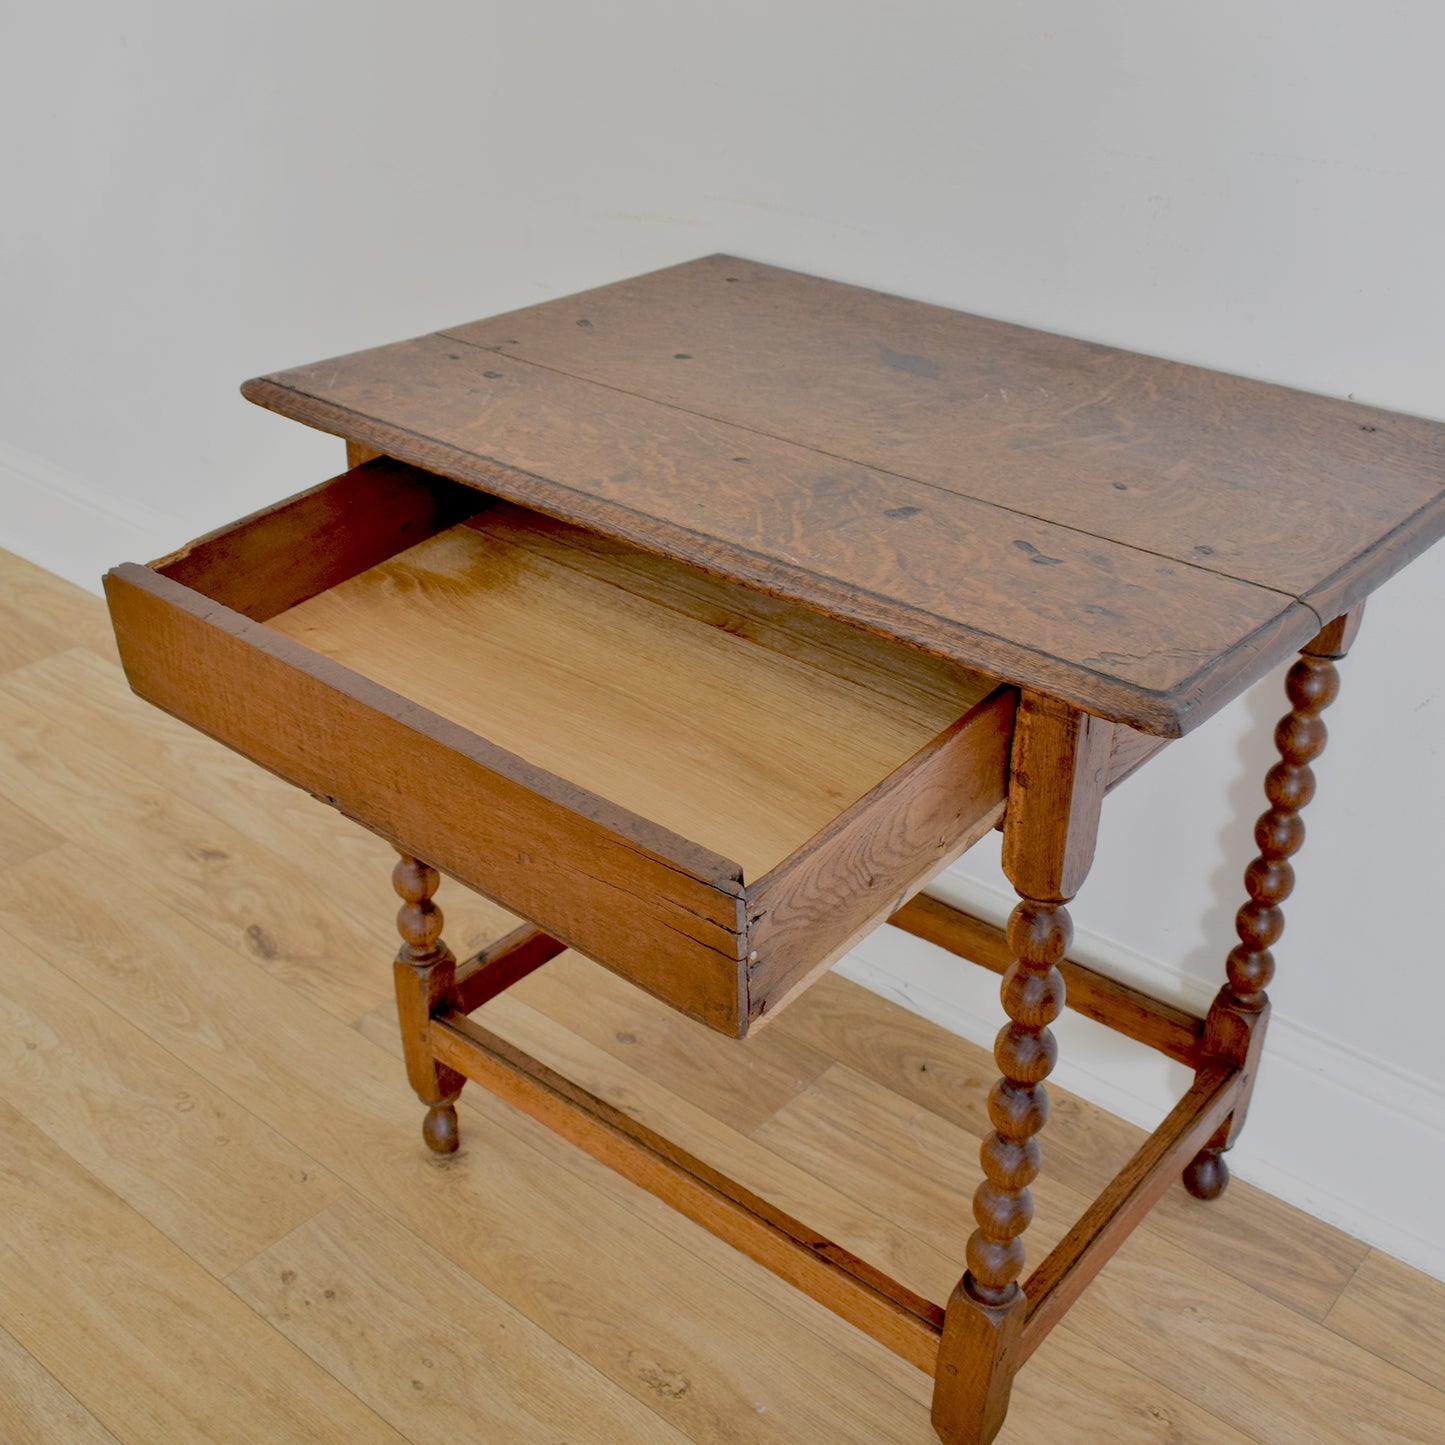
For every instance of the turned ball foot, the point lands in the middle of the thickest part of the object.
(1206, 1175)
(440, 1130)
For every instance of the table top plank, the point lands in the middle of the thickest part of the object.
(1240, 477)
(1140, 538)
(1010, 596)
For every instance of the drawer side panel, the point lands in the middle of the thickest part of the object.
(419, 781)
(288, 552)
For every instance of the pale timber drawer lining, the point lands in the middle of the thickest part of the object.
(501, 624)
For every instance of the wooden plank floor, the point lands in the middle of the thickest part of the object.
(217, 1220)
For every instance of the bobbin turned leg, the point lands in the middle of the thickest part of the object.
(1235, 1027)
(1057, 777)
(425, 973)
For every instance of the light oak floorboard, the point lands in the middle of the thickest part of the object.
(188, 923)
(69, 612)
(675, 1332)
(25, 637)
(208, 872)
(809, 1199)
(742, 1082)
(22, 835)
(916, 1169)
(425, 1345)
(35, 1408)
(203, 1170)
(89, 698)
(1248, 1360)
(877, 1147)
(1125, 1405)
(1072, 1392)
(947, 1075)
(1275, 1248)
(1395, 1310)
(153, 1346)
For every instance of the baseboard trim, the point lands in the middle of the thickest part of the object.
(64, 524)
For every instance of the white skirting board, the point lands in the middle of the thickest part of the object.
(70, 527)
(1355, 1141)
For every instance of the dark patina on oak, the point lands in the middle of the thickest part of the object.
(918, 573)
(1131, 535)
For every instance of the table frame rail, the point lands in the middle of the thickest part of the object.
(882, 1307)
(1171, 1030)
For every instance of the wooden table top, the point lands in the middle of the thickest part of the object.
(1138, 537)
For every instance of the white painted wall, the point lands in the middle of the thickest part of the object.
(192, 194)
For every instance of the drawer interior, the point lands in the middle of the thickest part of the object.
(742, 723)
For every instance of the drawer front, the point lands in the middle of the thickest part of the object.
(479, 815)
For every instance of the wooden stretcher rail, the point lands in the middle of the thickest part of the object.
(1172, 1031)
(499, 965)
(881, 1307)
(1063, 1274)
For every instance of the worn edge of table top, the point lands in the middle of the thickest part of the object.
(620, 445)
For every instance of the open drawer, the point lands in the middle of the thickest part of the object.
(710, 791)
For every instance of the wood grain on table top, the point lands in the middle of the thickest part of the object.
(1136, 536)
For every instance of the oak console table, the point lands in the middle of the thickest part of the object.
(702, 619)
